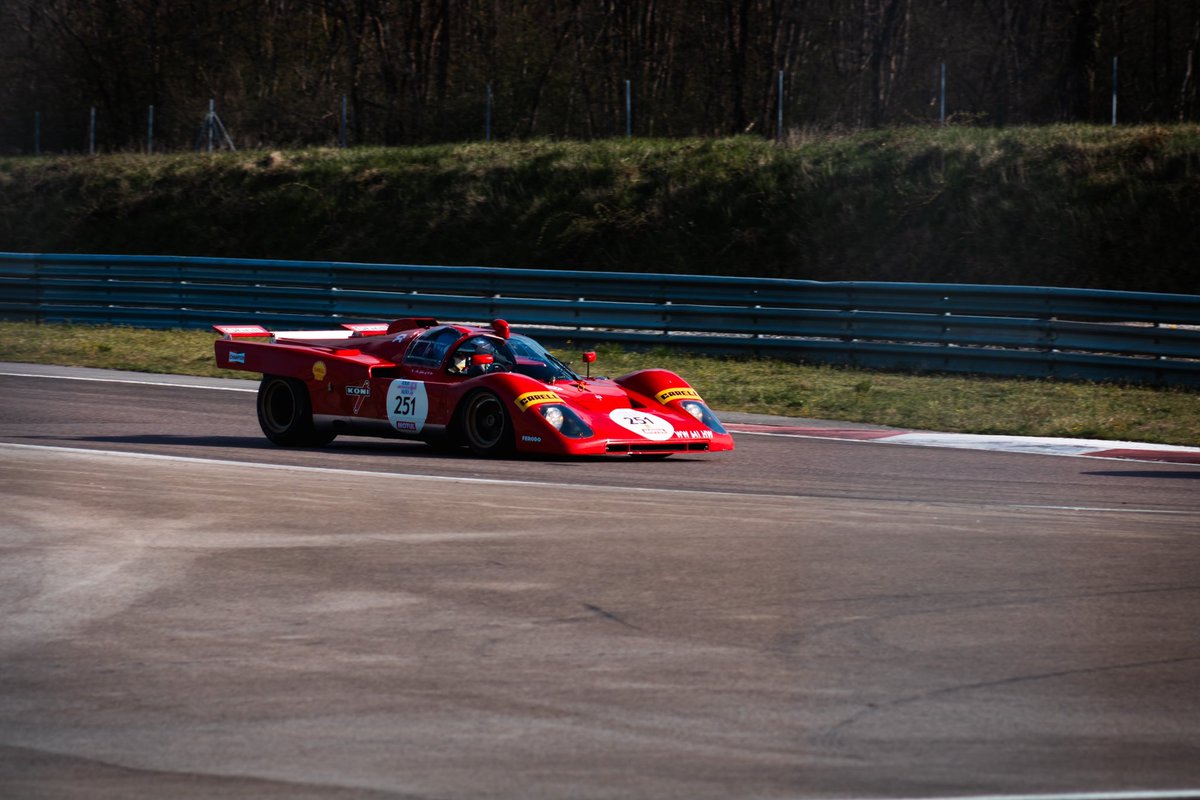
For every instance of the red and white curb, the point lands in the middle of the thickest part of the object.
(1091, 448)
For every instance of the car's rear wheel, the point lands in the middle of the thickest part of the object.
(486, 426)
(285, 413)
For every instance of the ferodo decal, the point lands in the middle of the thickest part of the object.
(678, 393)
(407, 405)
(237, 358)
(642, 423)
(319, 371)
(530, 399)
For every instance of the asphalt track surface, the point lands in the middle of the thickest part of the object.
(188, 611)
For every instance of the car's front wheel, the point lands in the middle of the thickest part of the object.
(486, 426)
(285, 413)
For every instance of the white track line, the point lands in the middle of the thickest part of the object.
(1031, 445)
(410, 476)
(1151, 794)
(126, 380)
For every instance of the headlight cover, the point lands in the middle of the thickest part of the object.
(554, 416)
(565, 421)
(704, 414)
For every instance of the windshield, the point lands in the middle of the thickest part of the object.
(516, 354)
(537, 362)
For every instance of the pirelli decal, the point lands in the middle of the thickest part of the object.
(678, 393)
(530, 399)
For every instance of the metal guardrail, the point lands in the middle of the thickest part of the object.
(1002, 330)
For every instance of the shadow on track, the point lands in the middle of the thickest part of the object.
(231, 442)
(1138, 473)
(386, 448)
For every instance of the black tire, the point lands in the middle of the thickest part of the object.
(486, 426)
(285, 413)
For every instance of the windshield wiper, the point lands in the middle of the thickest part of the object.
(570, 373)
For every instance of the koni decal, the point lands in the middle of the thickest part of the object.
(360, 394)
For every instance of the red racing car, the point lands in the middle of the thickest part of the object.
(484, 387)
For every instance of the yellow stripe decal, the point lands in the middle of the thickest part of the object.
(678, 393)
(530, 399)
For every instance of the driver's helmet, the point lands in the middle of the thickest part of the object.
(461, 361)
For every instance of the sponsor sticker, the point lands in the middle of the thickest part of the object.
(656, 429)
(677, 393)
(237, 358)
(530, 399)
(319, 371)
(360, 394)
(407, 405)
(531, 439)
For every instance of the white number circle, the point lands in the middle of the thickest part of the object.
(407, 406)
(643, 423)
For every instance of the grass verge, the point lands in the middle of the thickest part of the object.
(766, 386)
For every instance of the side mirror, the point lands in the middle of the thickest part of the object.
(589, 358)
(482, 359)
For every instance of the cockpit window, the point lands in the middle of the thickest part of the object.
(430, 348)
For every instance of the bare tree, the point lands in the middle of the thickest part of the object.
(416, 70)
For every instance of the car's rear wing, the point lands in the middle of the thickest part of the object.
(241, 331)
(348, 330)
(344, 332)
(366, 328)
